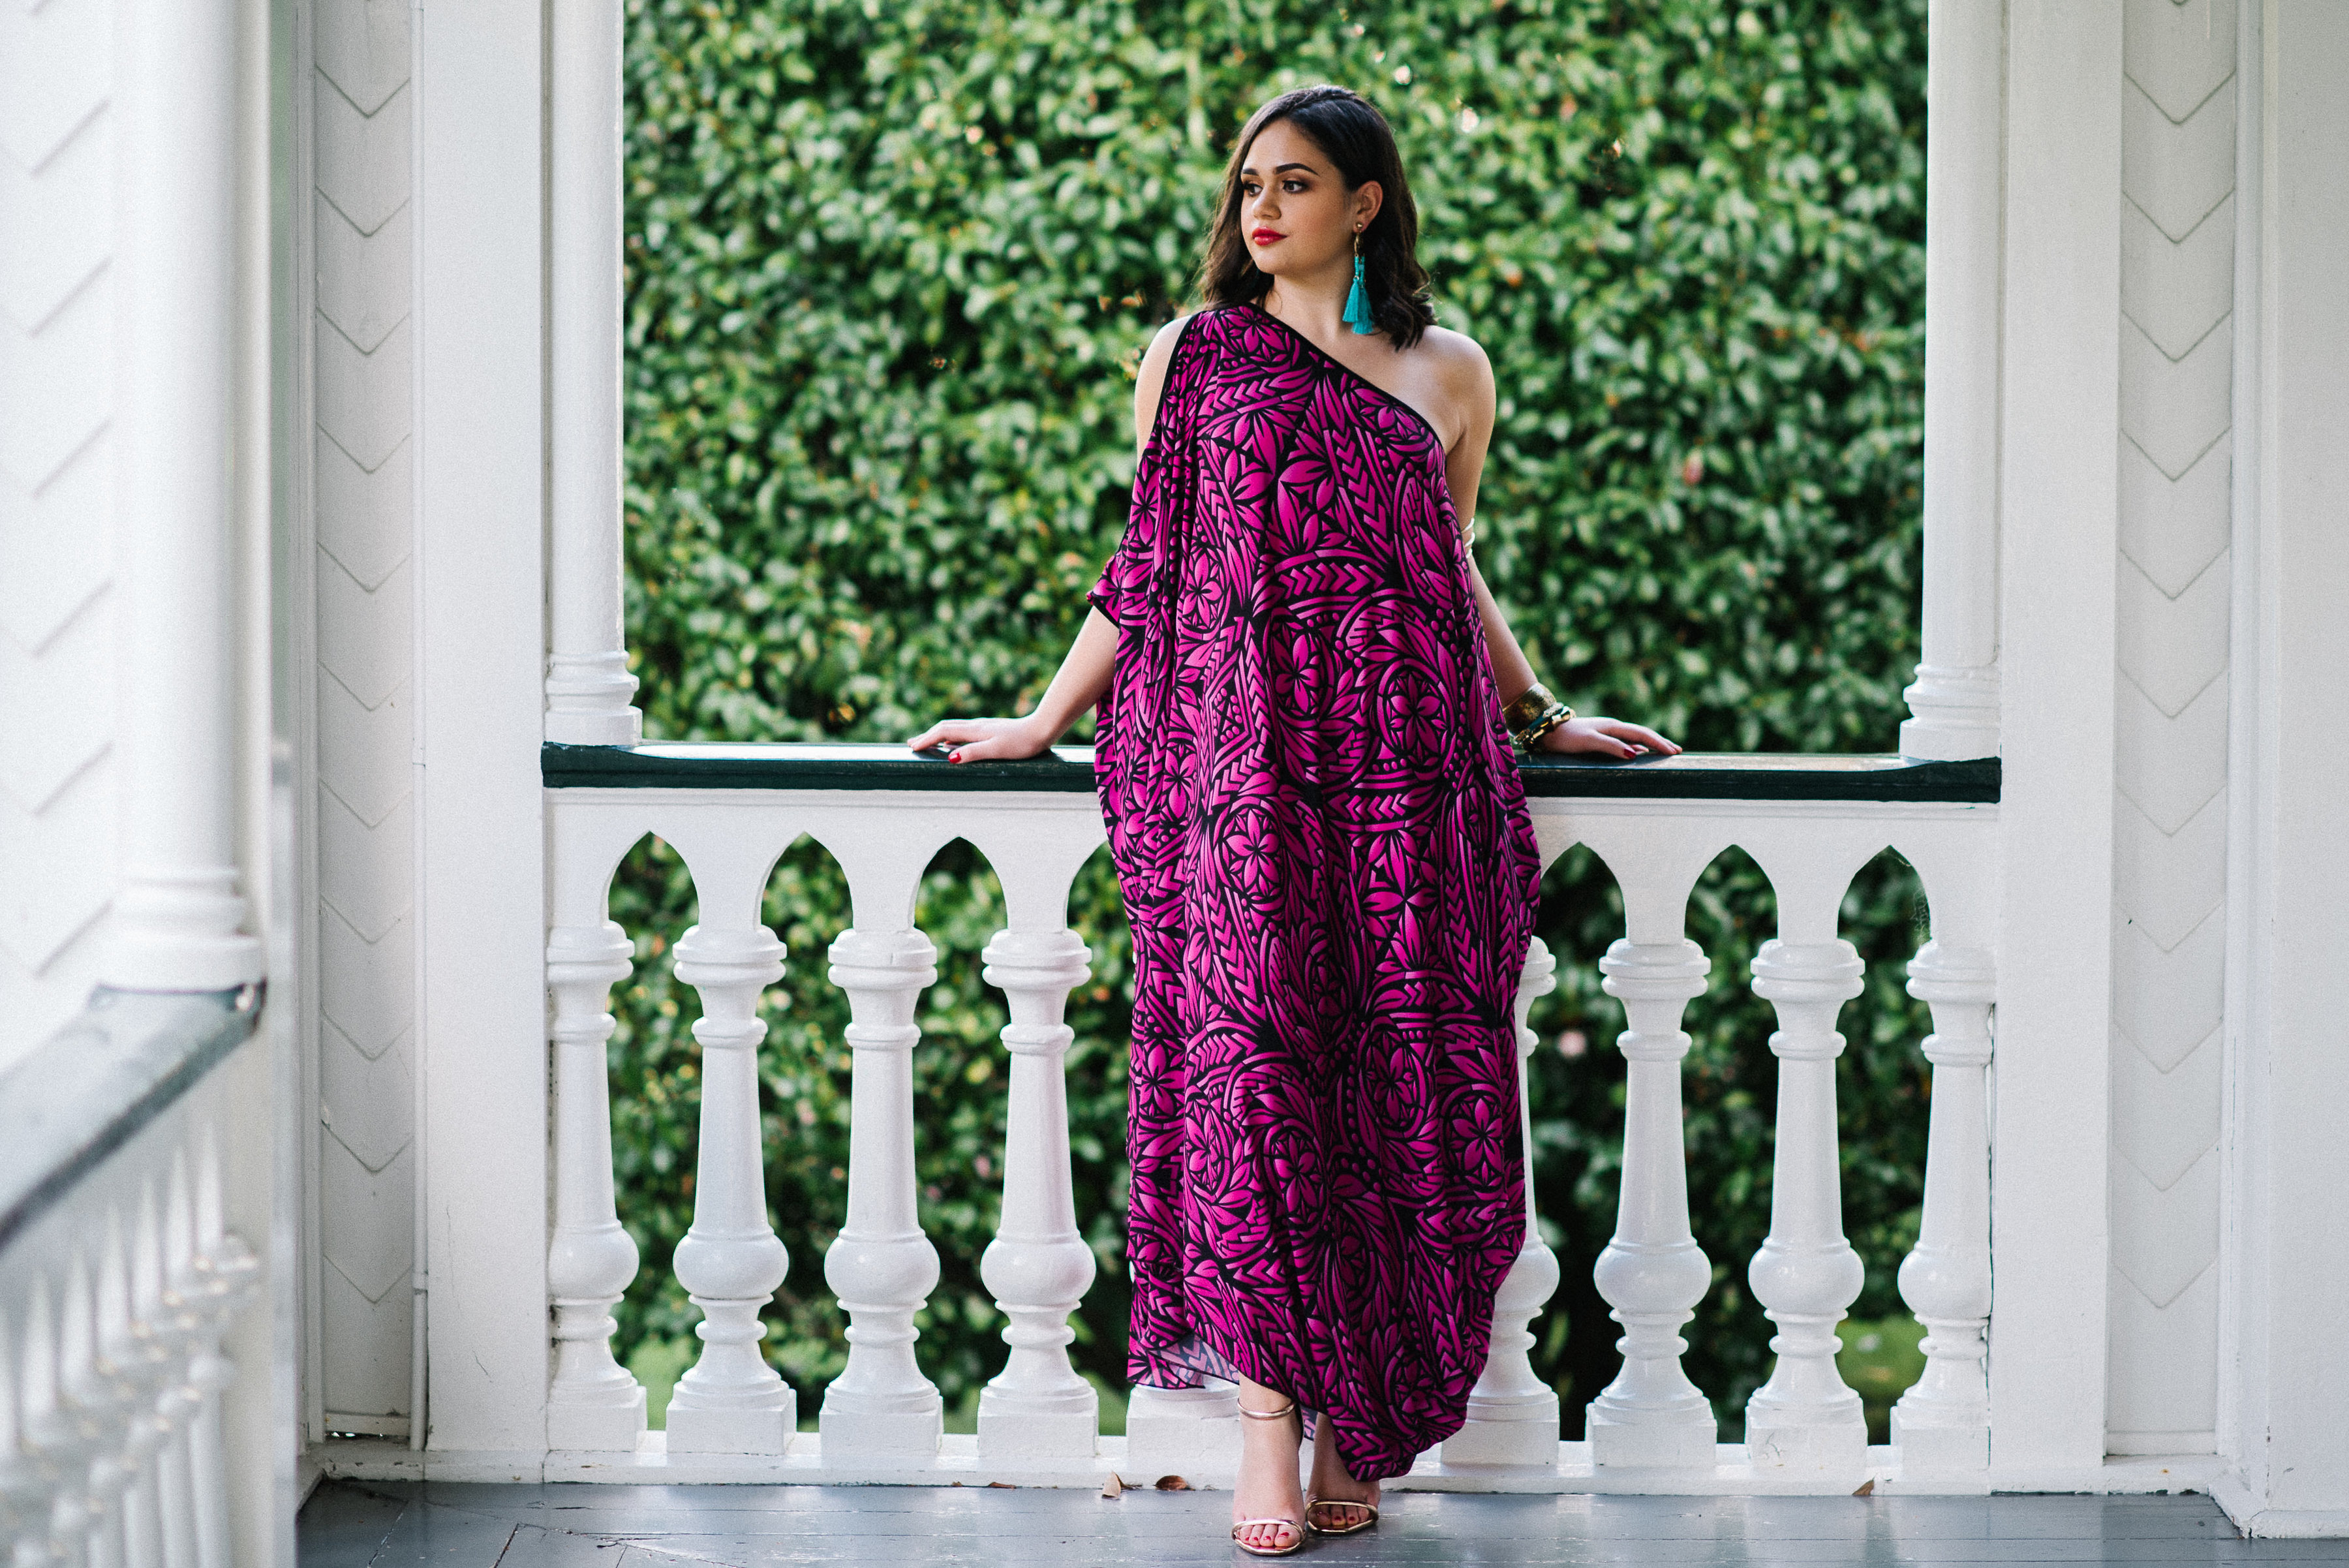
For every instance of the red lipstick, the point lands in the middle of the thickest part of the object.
(1267, 236)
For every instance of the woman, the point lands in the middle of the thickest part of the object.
(1307, 699)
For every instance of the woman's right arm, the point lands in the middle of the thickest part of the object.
(1084, 673)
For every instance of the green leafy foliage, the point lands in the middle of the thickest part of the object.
(891, 267)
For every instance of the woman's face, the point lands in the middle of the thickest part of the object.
(1296, 212)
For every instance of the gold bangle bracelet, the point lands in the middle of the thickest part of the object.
(1558, 713)
(1528, 706)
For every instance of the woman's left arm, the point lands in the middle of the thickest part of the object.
(1471, 390)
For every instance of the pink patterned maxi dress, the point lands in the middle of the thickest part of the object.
(1330, 878)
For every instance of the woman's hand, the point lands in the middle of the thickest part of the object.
(985, 740)
(1607, 738)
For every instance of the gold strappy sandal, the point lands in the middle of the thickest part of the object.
(1295, 1546)
(1369, 1510)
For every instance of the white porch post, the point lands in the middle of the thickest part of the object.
(587, 681)
(1955, 699)
(178, 918)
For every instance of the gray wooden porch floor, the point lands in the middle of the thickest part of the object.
(369, 1524)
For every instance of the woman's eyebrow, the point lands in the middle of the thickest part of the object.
(1250, 168)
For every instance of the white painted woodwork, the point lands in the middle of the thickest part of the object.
(1037, 1410)
(881, 1266)
(58, 816)
(1807, 1275)
(2059, 328)
(880, 1421)
(355, 506)
(587, 680)
(1652, 1274)
(1954, 702)
(1513, 1415)
(1940, 1426)
(2285, 1265)
(179, 916)
(731, 1260)
(2172, 617)
(119, 1308)
(592, 1402)
(478, 95)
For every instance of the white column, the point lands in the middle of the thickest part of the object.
(1037, 1409)
(1807, 1275)
(1512, 1414)
(178, 918)
(1942, 1423)
(588, 686)
(731, 1261)
(1653, 1272)
(593, 1403)
(881, 1266)
(1955, 699)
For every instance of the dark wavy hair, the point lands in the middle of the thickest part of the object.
(1355, 135)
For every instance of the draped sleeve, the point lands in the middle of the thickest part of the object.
(1144, 552)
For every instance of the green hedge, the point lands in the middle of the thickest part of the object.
(890, 266)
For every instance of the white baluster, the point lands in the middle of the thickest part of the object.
(1513, 1414)
(143, 1519)
(1037, 1409)
(178, 1327)
(1806, 1274)
(882, 1267)
(224, 1271)
(594, 1403)
(80, 1446)
(731, 1260)
(1652, 1274)
(1942, 1424)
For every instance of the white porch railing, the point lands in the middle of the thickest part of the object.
(119, 1275)
(730, 812)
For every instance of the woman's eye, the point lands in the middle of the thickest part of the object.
(1294, 187)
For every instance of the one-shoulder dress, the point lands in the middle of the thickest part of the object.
(1330, 877)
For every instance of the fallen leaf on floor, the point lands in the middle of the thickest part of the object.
(1113, 1486)
(1866, 1488)
(1002, 1486)
(1172, 1483)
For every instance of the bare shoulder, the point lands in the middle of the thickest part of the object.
(1150, 377)
(1454, 368)
(1457, 360)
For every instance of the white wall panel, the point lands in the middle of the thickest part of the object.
(57, 820)
(2172, 633)
(363, 723)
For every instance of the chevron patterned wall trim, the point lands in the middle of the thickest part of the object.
(363, 732)
(2169, 814)
(58, 823)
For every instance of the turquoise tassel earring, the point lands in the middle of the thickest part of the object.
(1358, 298)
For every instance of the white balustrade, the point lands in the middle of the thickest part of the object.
(593, 1403)
(1037, 1410)
(1652, 1274)
(1512, 1413)
(731, 1401)
(1807, 1276)
(115, 1296)
(1651, 1426)
(1940, 1427)
(881, 1265)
